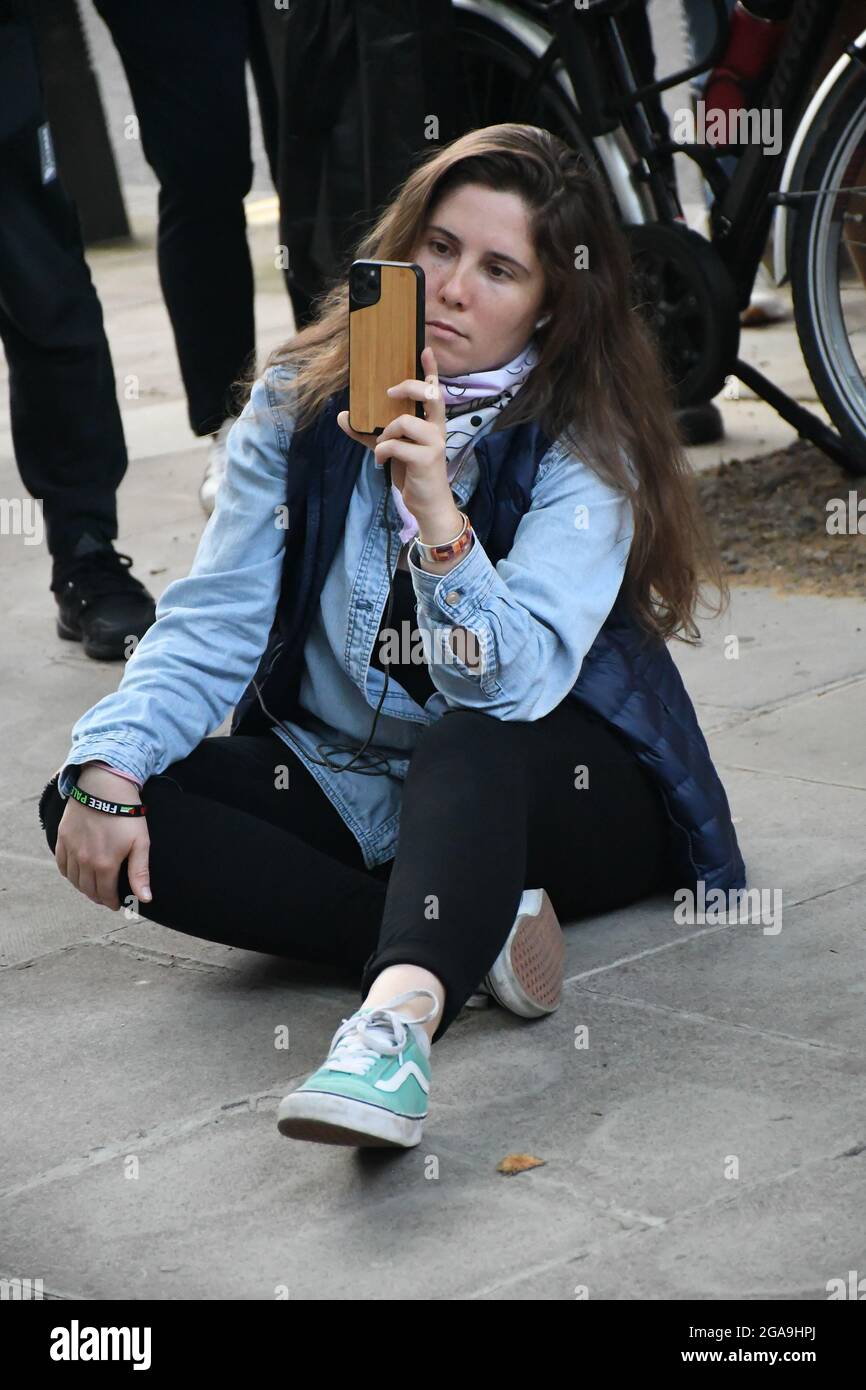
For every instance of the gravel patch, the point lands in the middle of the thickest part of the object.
(771, 518)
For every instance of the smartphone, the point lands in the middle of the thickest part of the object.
(386, 338)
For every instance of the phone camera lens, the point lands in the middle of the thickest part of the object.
(364, 284)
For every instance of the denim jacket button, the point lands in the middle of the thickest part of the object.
(452, 596)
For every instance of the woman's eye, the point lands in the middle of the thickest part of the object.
(445, 248)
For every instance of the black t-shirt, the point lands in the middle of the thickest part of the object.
(414, 676)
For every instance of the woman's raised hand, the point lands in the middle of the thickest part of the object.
(416, 448)
(91, 846)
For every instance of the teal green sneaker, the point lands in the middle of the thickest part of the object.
(373, 1088)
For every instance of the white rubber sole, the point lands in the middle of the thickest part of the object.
(526, 976)
(323, 1118)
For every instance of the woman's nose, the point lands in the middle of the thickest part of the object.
(453, 287)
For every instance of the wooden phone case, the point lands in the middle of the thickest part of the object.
(386, 340)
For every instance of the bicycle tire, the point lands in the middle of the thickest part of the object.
(815, 250)
(480, 38)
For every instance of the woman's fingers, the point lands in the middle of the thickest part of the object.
(68, 862)
(434, 397)
(86, 881)
(405, 452)
(106, 888)
(405, 427)
(89, 855)
(429, 390)
(415, 390)
(434, 409)
(137, 868)
(85, 878)
(368, 440)
(434, 405)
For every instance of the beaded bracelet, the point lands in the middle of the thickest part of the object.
(97, 803)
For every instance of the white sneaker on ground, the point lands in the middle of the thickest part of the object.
(526, 977)
(216, 467)
(766, 304)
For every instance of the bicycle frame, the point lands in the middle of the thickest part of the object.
(588, 54)
(595, 54)
(741, 218)
(524, 25)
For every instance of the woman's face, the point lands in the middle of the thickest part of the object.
(483, 279)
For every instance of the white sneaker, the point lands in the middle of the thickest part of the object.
(216, 467)
(766, 304)
(526, 977)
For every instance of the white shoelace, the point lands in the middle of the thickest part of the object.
(367, 1037)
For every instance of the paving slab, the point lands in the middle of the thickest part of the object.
(789, 646)
(634, 1132)
(801, 975)
(790, 1245)
(793, 740)
(103, 1043)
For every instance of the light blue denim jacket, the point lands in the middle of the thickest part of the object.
(535, 616)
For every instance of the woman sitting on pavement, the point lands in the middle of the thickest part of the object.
(543, 762)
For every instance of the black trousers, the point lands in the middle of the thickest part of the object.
(489, 807)
(186, 68)
(66, 428)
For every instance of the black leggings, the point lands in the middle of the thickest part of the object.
(489, 807)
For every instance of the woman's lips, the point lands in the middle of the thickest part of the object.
(444, 332)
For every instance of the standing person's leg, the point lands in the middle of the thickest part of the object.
(186, 67)
(239, 858)
(66, 426)
(702, 32)
(491, 807)
(267, 36)
(72, 456)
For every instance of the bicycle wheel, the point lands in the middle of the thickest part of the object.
(495, 84)
(828, 268)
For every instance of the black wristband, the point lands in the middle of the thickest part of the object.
(112, 808)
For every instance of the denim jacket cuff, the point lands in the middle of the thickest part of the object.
(123, 753)
(456, 595)
(454, 600)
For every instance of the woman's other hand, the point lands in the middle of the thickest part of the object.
(91, 845)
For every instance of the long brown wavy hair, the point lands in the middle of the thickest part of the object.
(598, 386)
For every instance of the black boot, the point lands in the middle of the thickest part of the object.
(100, 603)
